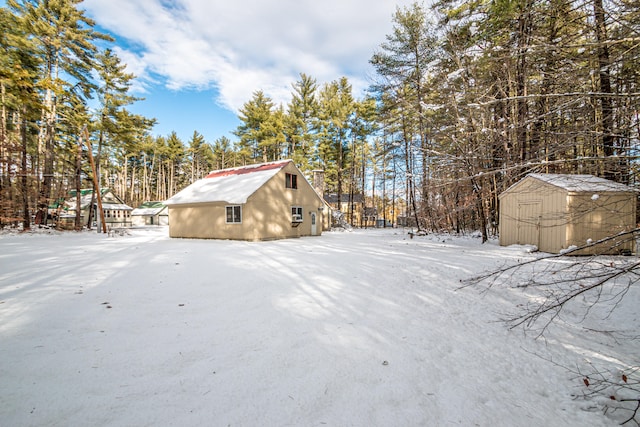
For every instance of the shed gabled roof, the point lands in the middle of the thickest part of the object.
(581, 183)
(233, 185)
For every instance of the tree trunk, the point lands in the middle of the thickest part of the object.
(523, 35)
(78, 222)
(608, 142)
(26, 221)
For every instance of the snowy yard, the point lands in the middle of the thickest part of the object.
(368, 328)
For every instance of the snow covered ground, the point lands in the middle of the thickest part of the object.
(368, 328)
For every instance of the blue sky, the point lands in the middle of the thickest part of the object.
(199, 61)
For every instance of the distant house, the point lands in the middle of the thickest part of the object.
(150, 213)
(557, 212)
(370, 217)
(256, 202)
(345, 205)
(116, 212)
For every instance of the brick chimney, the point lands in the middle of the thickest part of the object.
(318, 181)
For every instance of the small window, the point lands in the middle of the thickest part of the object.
(234, 214)
(296, 214)
(291, 180)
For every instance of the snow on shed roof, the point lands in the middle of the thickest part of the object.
(581, 183)
(233, 185)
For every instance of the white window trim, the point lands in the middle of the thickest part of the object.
(226, 217)
(299, 211)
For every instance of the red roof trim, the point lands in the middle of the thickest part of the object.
(247, 169)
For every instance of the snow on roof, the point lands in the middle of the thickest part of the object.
(147, 211)
(248, 169)
(149, 208)
(581, 183)
(109, 200)
(117, 206)
(233, 185)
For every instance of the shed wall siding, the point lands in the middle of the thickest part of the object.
(533, 213)
(552, 218)
(597, 218)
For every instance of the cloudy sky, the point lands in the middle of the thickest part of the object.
(199, 61)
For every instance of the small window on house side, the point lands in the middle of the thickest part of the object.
(291, 180)
(234, 214)
(296, 213)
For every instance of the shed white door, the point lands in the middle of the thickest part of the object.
(529, 214)
(314, 227)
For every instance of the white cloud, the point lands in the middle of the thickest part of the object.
(241, 46)
(136, 65)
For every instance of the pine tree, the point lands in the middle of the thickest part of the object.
(262, 129)
(299, 121)
(336, 106)
(19, 104)
(402, 64)
(222, 153)
(197, 156)
(64, 39)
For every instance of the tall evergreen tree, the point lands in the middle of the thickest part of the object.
(222, 153)
(261, 131)
(19, 104)
(65, 42)
(336, 107)
(114, 85)
(300, 132)
(198, 156)
(402, 63)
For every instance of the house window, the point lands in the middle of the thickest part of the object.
(234, 214)
(291, 180)
(296, 214)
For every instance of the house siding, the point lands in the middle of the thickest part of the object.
(272, 207)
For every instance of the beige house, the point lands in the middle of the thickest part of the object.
(150, 213)
(352, 208)
(256, 202)
(116, 212)
(560, 212)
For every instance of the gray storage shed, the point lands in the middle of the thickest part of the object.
(558, 212)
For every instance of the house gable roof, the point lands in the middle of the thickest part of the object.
(109, 200)
(233, 186)
(149, 208)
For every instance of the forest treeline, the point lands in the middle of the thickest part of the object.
(465, 99)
